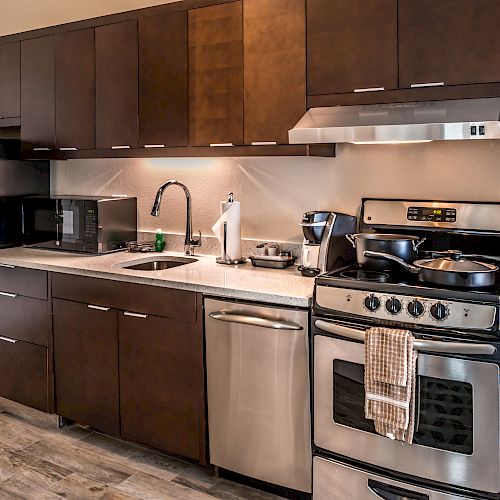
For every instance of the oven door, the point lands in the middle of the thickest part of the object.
(457, 423)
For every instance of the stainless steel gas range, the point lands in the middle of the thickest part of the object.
(456, 448)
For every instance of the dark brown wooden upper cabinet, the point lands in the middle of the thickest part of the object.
(10, 80)
(275, 68)
(216, 75)
(351, 46)
(163, 80)
(117, 81)
(75, 89)
(452, 42)
(38, 108)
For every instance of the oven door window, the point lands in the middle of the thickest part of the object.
(444, 408)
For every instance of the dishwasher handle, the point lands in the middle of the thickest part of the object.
(424, 345)
(246, 319)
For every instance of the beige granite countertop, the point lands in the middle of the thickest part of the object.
(277, 286)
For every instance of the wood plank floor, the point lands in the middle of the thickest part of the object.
(38, 461)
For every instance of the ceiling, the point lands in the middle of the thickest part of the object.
(26, 15)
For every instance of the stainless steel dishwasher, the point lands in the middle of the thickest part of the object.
(258, 392)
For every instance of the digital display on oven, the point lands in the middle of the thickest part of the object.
(431, 214)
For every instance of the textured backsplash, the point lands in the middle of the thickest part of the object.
(274, 192)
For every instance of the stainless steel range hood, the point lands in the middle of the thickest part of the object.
(400, 122)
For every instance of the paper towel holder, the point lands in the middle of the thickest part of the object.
(225, 258)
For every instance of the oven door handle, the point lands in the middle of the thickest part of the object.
(420, 345)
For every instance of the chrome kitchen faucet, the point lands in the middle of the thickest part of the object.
(189, 242)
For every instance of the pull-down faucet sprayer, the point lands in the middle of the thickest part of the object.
(189, 242)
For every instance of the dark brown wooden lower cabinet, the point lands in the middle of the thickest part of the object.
(86, 365)
(24, 373)
(162, 384)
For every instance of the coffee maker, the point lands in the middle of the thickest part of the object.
(325, 246)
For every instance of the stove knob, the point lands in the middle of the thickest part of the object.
(415, 308)
(393, 305)
(439, 311)
(372, 303)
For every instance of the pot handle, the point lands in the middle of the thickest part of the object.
(351, 239)
(392, 258)
(418, 243)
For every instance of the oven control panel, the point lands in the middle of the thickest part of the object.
(407, 309)
(432, 214)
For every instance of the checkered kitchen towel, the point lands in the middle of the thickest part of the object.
(390, 377)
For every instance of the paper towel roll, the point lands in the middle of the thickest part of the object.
(230, 213)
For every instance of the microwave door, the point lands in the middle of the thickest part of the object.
(70, 225)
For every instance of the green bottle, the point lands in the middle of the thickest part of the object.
(159, 242)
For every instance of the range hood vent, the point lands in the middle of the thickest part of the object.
(461, 119)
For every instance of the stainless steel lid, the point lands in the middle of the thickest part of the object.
(456, 265)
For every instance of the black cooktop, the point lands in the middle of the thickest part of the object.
(396, 281)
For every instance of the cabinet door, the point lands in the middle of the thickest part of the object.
(216, 75)
(450, 41)
(75, 89)
(38, 107)
(86, 365)
(10, 80)
(351, 44)
(162, 383)
(117, 113)
(275, 68)
(163, 80)
(24, 373)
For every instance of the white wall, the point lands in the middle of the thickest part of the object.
(26, 15)
(274, 192)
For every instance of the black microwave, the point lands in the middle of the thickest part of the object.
(80, 224)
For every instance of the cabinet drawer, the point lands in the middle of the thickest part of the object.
(23, 281)
(24, 318)
(146, 299)
(24, 373)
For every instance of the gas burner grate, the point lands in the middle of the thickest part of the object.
(362, 275)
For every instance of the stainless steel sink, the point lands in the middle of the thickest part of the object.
(159, 264)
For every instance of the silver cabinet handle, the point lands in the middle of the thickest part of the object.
(6, 339)
(11, 295)
(68, 149)
(98, 308)
(8, 266)
(429, 84)
(264, 143)
(121, 147)
(41, 149)
(370, 89)
(255, 321)
(421, 345)
(135, 315)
